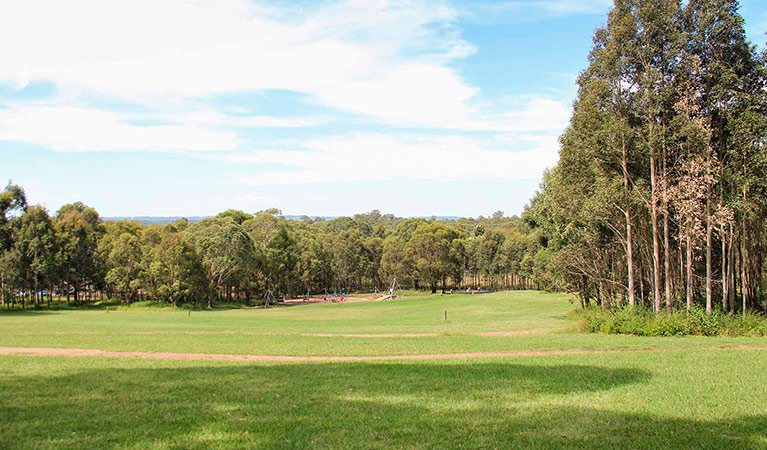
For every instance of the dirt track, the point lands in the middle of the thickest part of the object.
(75, 352)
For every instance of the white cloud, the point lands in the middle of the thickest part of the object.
(208, 117)
(537, 114)
(385, 59)
(81, 129)
(389, 61)
(369, 157)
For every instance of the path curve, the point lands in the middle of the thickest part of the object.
(78, 352)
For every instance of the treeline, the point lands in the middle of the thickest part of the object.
(659, 197)
(237, 256)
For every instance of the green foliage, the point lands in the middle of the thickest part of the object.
(641, 321)
(282, 257)
(665, 148)
(237, 256)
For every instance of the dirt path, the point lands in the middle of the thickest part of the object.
(75, 352)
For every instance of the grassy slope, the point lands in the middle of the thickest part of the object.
(677, 399)
(278, 331)
(682, 400)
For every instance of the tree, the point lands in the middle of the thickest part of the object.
(396, 262)
(13, 203)
(227, 252)
(179, 270)
(37, 248)
(124, 262)
(432, 251)
(79, 229)
(282, 259)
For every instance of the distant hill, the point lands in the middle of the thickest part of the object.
(162, 220)
(148, 220)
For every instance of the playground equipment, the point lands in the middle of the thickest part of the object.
(268, 297)
(392, 291)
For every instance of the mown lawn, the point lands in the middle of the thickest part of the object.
(313, 329)
(696, 396)
(680, 400)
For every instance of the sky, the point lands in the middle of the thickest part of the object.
(327, 108)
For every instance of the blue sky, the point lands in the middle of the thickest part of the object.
(192, 107)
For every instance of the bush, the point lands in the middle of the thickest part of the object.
(642, 321)
(150, 304)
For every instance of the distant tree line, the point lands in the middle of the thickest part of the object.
(74, 255)
(660, 194)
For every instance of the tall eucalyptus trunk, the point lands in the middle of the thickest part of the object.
(689, 273)
(629, 243)
(709, 231)
(655, 243)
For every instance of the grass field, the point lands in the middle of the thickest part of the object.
(693, 393)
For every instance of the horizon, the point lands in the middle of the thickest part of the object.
(322, 109)
(146, 220)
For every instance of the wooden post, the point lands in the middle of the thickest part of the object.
(445, 316)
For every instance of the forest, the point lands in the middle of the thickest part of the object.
(659, 197)
(236, 256)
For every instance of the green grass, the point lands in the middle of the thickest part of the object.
(690, 398)
(707, 399)
(281, 331)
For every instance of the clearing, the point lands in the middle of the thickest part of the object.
(506, 370)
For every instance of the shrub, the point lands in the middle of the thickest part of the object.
(642, 321)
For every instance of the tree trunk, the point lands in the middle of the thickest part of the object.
(680, 237)
(655, 243)
(731, 271)
(667, 261)
(666, 247)
(725, 272)
(744, 287)
(689, 273)
(35, 295)
(629, 243)
(709, 230)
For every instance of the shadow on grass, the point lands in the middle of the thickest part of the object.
(305, 406)
(28, 312)
(116, 306)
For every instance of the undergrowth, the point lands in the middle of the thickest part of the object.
(642, 321)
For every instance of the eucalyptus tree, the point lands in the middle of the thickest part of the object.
(348, 247)
(79, 228)
(608, 98)
(37, 248)
(434, 257)
(227, 252)
(315, 265)
(13, 203)
(121, 257)
(282, 258)
(396, 262)
(179, 270)
(124, 261)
